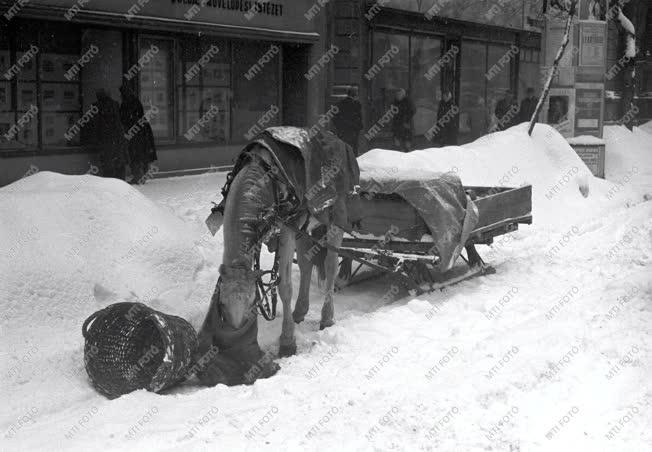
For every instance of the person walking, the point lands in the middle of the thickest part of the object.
(507, 111)
(109, 136)
(479, 117)
(402, 125)
(140, 137)
(528, 105)
(447, 120)
(348, 120)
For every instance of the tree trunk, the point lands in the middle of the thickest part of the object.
(553, 69)
(629, 76)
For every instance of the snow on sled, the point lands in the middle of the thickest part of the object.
(415, 227)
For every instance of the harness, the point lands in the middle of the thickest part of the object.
(287, 212)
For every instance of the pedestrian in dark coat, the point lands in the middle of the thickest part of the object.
(140, 137)
(447, 120)
(528, 105)
(507, 111)
(109, 136)
(402, 125)
(348, 120)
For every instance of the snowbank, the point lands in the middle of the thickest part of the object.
(509, 159)
(493, 363)
(628, 157)
(70, 245)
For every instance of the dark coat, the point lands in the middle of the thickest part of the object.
(447, 128)
(505, 118)
(141, 145)
(402, 124)
(528, 105)
(108, 133)
(348, 121)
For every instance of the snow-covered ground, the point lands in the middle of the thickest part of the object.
(550, 353)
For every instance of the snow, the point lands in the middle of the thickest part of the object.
(586, 140)
(628, 158)
(571, 298)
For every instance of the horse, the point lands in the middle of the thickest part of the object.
(231, 321)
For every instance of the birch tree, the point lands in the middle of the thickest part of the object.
(637, 12)
(569, 8)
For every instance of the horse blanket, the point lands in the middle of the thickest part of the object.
(320, 169)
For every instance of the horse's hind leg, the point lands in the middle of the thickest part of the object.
(328, 310)
(304, 259)
(287, 244)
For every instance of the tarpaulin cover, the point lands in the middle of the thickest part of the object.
(322, 173)
(439, 198)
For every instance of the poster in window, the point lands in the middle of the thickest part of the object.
(559, 110)
(592, 9)
(28, 71)
(49, 97)
(216, 74)
(26, 96)
(592, 44)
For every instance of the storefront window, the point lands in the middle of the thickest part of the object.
(474, 113)
(255, 87)
(498, 82)
(7, 110)
(529, 70)
(38, 103)
(156, 89)
(203, 84)
(392, 76)
(61, 100)
(425, 53)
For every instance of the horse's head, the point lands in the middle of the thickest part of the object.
(237, 294)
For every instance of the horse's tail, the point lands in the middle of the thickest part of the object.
(319, 258)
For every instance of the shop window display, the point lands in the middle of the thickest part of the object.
(393, 75)
(203, 84)
(156, 89)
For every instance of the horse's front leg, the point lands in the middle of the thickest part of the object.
(334, 237)
(306, 248)
(287, 245)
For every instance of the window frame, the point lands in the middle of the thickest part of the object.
(14, 83)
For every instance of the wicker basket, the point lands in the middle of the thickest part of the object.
(131, 346)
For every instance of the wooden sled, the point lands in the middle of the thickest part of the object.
(413, 262)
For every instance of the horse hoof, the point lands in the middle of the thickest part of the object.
(326, 324)
(285, 351)
(298, 318)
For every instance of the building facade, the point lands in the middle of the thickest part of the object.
(478, 50)
(210, 74)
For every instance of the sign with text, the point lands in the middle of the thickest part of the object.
(588, 111)
(592, 156)
(593, 37)
(279, 15)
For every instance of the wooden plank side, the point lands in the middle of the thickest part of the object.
(511, 203)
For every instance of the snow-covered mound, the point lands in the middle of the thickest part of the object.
(507, 159)
(70, 245)
(628, 157)
(552, 352)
